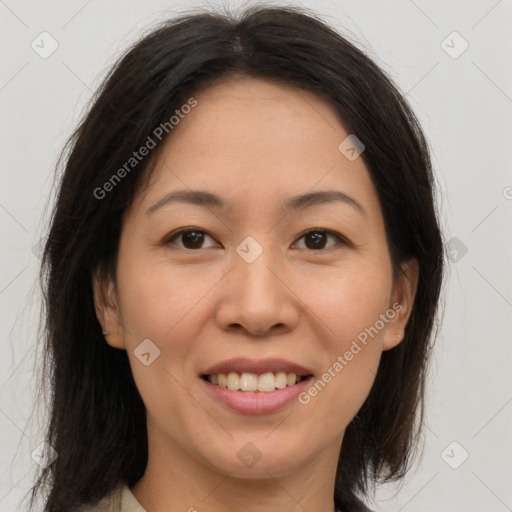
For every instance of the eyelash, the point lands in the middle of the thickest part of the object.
(342, 240)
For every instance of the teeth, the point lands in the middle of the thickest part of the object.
(264, 383)
(233, 381)
(267, 382)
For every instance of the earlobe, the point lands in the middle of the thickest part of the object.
(107, 311)
(404, 294)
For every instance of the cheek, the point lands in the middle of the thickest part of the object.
(161, 306)
(349, 308)
(167, 307)
(155, 300)
(349, 303)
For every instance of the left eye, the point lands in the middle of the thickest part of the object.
(315, 239)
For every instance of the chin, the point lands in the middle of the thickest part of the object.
(252, 457)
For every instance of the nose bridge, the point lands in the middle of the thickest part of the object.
(255, 298)
(254, 259)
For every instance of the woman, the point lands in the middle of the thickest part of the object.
(241, 277)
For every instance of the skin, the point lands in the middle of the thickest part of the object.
(254, 143)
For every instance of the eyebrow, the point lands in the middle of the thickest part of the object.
(298, 202)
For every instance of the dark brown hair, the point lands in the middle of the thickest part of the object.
(97, 421)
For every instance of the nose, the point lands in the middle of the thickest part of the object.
(257, 297)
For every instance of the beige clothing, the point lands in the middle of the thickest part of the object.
(121, 499)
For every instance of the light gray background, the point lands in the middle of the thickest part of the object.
(465, 105)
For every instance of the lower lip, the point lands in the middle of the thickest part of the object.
(256, 402)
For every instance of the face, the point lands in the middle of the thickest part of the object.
(309, 283)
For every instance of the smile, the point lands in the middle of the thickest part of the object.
(255, 402)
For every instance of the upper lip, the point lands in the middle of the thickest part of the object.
(257, 366)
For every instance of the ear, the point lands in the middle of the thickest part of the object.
(107, 309)
(402, 301)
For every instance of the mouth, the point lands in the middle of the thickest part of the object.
(254, 402)
(255, 387)
(251, 375)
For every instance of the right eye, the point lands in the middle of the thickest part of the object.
(191, 238)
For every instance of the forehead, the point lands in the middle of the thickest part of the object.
(261, 107)
(253, 138)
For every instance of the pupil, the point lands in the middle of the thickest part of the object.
(194, 237)
(316, 237)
